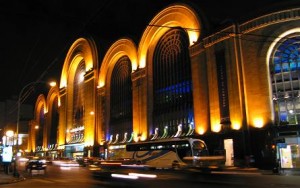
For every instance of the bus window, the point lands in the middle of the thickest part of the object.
(184, 152)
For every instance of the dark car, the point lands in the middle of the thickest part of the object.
(35, 164)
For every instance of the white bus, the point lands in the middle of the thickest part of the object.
(167, 153)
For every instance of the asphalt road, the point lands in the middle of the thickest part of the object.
(83, 177)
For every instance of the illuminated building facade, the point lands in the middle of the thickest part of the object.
(237, 88)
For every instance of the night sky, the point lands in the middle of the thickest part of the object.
(36, 34)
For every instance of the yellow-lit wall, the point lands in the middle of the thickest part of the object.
(62, 127)
(256, 82)
(41, 105)
(213, 91)
(139, 94)
(52, 95)
(100, 111)
(200, 87)
(31, 136)
(89, 106)
(234, 82)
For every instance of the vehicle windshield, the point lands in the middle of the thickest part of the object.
(199, 148)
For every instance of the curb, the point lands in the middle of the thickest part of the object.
(13, 180)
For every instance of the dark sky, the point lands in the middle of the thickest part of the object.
(36, 34)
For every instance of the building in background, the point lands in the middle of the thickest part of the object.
(8, 111)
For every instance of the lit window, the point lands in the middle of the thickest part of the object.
(286, 79)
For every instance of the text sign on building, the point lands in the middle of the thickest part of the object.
(222, 86)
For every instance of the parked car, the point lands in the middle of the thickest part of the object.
(35, 164)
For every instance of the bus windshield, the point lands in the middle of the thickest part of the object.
(199, 148)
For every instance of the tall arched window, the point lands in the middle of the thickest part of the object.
(285, 76)
(172, 83)
(78, 104)
(78, 96)
(121, 98)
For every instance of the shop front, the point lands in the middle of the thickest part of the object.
(74, 151)
(288, 153)
(288, 150)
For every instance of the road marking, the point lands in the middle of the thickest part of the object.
(235, 172)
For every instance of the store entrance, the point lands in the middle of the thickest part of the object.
(228, 146)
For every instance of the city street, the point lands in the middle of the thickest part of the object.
(159, 94)
(56, 176)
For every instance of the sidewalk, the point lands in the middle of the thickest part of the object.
(9, 178)
(284, 172)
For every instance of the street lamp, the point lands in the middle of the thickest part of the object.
(9, 134)
(52, 84)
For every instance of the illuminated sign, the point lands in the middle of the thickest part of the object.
(7, 154)
(81, 128)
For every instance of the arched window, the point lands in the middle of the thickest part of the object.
(121, 98)
(78, 96)
(172, 83)
(285, 76)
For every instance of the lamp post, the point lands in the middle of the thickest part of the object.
(16, 174)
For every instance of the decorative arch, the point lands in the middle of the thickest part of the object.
(78, 78)
(280, 37)
(178, 15)
(52, 125)
(52, 94)
(40, 132)
(283, 66)
(81, 49)
(122, 47)
(40, 103)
